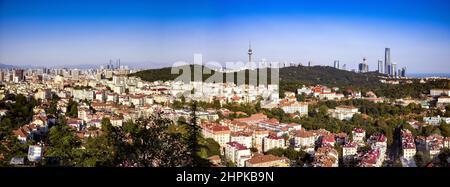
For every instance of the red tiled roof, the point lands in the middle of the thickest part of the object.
(258, 159)
(237, 145)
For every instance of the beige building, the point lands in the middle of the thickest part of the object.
(267, 161)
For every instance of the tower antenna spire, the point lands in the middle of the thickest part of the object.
(250, 52)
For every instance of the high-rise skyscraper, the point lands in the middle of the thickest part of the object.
(19, 74)
(403, 72)
(380, 66)
(2, 76)
(75, 74)
(363, 67)
(336, 64)
(387, 61)
(393, 70)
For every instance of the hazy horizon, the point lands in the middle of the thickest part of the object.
(56, 33)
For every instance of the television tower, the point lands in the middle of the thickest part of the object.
(250, 52)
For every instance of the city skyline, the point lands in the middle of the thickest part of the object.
(158, 33)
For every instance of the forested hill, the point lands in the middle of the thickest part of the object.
(328, 76)
(299, 74)
(292, 78)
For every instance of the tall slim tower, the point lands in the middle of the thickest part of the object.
(394, 70)
(387, 61)
(380, 66)
(250, 52)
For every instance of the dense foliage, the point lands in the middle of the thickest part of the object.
(292, 78)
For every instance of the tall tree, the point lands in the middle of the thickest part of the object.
(151, 144)
(193, 137)
(63, 144)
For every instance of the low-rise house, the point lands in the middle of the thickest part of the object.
(349, 150)
(447, 142)
(326, 157)
(341, 138)
(75, 123)
(343, 112)
(116, 121)
(434, 144)
(22, 135)
(328, 140)
(436, 120)
(359, 135)
(291, 107)
(439, 92)
(267, 161)
(373, 158)
(443, 100)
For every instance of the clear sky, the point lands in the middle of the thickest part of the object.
(160, 32)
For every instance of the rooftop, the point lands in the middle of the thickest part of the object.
(258, 159)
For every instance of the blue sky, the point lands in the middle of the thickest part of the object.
(159, 33)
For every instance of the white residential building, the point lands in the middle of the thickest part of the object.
(304, 140)
(343, 112)
(349, 149)
(271, 142)
(295, 107)
(241, 137)
(408, 145)
(237, 153)
(221, 134)
(436, 120)
(438, 92)
(359, 135)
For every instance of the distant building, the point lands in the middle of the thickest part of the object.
(439, 92)
(336, 64)
(363, 67)
(403, 72)
(443, 100)
(436, 120)
(343, 112)
(380, 66)
(394, 70)
(295, 107)
(387, 61)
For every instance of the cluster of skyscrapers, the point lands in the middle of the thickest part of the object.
(14, 75)
(387, 67)
(390, 68)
